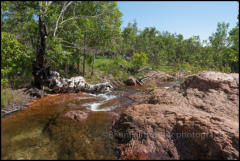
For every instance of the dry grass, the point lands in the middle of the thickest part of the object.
(7, 95)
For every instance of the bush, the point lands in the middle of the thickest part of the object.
(4, 72)
(15, 57)
(138, 60)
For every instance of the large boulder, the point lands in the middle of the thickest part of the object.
(212, 80)
(199, 120)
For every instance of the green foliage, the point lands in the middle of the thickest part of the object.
(4, 72)
(119, 61)
(4, 5)
(15, 57)
(138, 60)
(89, 59)
(233, 53)
(88, 27)
(112, 66)
(101, 63)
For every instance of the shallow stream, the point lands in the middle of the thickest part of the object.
(40, 131)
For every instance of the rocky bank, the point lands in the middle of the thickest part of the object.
(197, 120)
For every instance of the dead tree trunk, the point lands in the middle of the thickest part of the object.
(44, 77)
(40, 70)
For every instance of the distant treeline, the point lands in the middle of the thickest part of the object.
(79, 31)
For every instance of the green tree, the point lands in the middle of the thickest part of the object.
(15, 57)
(138, 60)
(219, 43)
(233, 54)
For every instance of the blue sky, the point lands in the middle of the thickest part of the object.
(186, 18)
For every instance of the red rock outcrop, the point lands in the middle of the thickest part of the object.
(199, 120)
(212, 80)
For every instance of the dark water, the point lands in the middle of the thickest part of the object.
(40, 131)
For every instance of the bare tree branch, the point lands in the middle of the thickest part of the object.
(78, 17)
(77, 46)
(65, 6)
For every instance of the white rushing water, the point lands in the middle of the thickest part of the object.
(105, 97)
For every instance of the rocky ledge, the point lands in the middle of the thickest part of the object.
(198, 120)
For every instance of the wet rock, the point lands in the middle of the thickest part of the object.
(131, 81)
(199, 122)
(77, 115)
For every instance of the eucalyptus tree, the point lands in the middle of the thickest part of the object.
(233, 56)
(151, 34)
(19, 18)
(75, 26)
(97, 28)
(179, 49)
(219, 43)
(41, 72)
(129, 38)
(170, 43)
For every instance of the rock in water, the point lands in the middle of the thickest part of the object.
(131, 81)
(77, 115)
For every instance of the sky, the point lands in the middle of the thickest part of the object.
(181, 17)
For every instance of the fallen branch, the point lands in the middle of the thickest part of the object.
(8, 112)
(142, 80)
(75, 84)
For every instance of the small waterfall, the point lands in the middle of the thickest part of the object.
(104, 98)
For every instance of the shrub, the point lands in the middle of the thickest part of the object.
(138, 60)
(15, 58)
